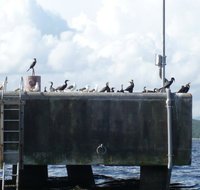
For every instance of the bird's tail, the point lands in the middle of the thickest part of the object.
(28, 70)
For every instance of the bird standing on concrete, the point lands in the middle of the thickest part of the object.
(167, 84)
(95, 89)
(130, 87)
(121, 90)
(51, 88)
(184, 89)
(32, 66)
(106, 88)
(85, 89)
(45, 89)
(61, 88)
(72, 87)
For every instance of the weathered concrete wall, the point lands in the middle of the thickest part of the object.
(67, 128)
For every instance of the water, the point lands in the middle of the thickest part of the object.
(186, 175)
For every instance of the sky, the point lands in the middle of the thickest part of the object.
(98, 41)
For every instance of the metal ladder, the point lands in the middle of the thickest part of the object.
(12, 117)
(15, 178)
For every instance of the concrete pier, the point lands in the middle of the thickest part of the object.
(106, 128)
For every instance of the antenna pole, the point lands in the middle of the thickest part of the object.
(164, 56)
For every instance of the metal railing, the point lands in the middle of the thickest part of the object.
(4, 87)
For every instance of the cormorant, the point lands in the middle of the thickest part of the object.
(130, 87)
(149, 91)
(85, 89)
(45, 89)
(32, 66)
(106, 88)
(51, 88)
(167, 84)
(95, 89)
(121, 90)
(144, 90)
(112, 89)
(72, 87)
(61, 88)
(184, 89)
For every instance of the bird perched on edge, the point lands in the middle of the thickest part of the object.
(95, 89)
(72, 87)
(32, 66)
(51, 88)
(106, 88)
(61, 88)
(130, 87)
(121, 90)
(167, 84)
(184, 89)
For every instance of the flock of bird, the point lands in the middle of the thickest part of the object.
(73, 88)
(129, 88)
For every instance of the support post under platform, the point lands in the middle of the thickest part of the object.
(80, 175)
(154, 177)
(32, 176)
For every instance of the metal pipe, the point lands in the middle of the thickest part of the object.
(169, 128)
(164, 56)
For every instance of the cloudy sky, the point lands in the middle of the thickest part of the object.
(95, 41)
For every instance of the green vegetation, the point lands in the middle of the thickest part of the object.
(195, 128)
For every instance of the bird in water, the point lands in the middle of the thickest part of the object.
(32, 66)
(121, 90)
(185, 89)
(61, 88)
(130, 87)
(106, 88)
(51, 88)
(167, 84)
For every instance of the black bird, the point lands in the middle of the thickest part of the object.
(130, 87)
(45, 89)
(32, 66)
(121, 90)
(144, 90)
(149, 91)
(167, 84)
(51, 88)
(184, 89)
(106, 88)
(112, 89)
(61, 88)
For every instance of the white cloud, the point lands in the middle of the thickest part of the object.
(100, 41)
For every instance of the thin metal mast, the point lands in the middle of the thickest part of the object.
(164, 56)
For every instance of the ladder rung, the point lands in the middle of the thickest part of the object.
(13, 120)
(11, 142)
(11, 131)
(10, 185)
(11, 109)
(11, 152)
